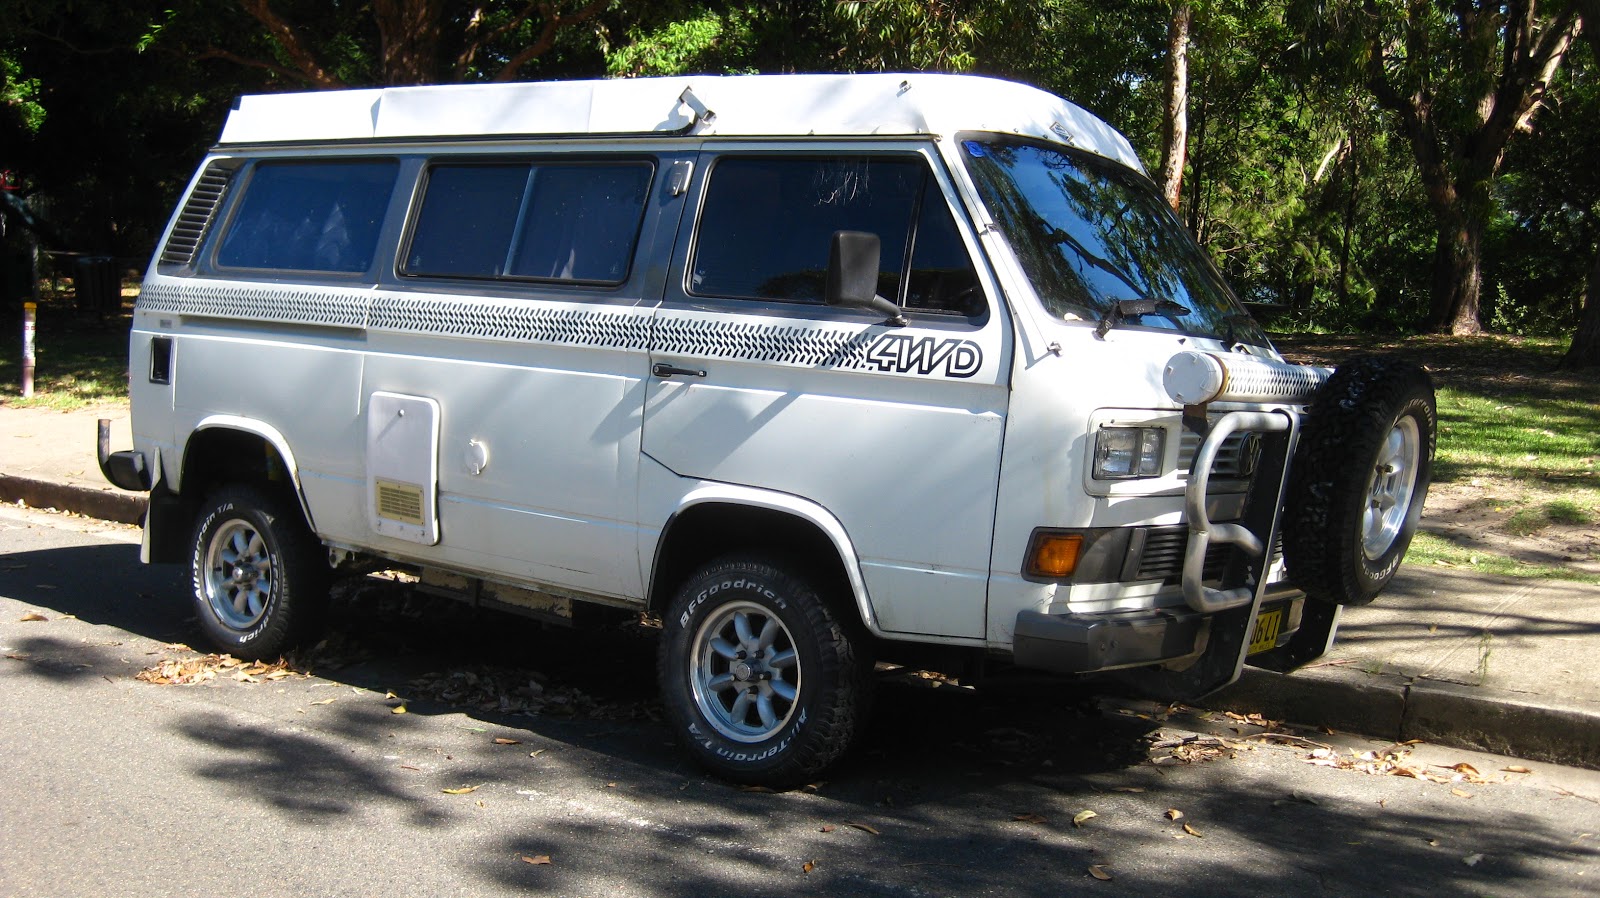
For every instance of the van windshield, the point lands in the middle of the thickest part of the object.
(1099, 244)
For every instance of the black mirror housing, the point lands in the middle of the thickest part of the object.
(853, 260)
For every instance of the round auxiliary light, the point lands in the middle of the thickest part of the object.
(1194, 378)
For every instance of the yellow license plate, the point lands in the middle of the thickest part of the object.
(1268, 623)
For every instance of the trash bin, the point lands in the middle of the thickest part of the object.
(98, 288)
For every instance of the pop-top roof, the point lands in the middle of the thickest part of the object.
(700, 105)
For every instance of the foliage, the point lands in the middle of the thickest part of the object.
(1302, 181)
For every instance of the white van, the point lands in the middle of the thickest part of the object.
(818, 370)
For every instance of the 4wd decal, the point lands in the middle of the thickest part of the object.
(905, 354)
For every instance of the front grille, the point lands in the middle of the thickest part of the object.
(1161, 558)
(1233, 461)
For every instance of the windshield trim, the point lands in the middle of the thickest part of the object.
(1223, 307)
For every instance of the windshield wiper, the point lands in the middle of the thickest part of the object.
(1136, 308)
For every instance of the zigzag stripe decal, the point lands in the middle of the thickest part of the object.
(819, 346)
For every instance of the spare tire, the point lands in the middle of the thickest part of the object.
(1360, 476)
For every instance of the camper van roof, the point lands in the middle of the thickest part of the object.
(699, 105)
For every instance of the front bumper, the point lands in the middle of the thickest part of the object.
(1084, 643)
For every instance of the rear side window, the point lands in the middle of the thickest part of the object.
(767, 224)
(310, 216)
(549, 221)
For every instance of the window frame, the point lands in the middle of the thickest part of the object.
(532, 160)
(930, 163)
(239, 192)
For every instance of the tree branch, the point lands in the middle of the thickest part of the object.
(547, 36)
(305, 62)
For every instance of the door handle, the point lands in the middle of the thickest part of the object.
(661, 369)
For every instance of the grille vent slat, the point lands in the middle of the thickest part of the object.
(1162, 556)
(197, 214)
(1230, 460)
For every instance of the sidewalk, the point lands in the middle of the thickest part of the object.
(1448, 657)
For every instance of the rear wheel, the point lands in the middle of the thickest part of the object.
(1360, 477)
(260, 576)
(761, 681)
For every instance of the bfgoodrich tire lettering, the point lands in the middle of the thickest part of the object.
(1360, 476)
(259, 574)
(761, 682)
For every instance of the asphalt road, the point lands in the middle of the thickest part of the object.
(313, 785)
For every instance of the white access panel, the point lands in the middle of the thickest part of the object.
(403, 467)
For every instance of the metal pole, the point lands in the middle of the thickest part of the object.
(30, 316)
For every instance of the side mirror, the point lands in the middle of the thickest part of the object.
(853, 260)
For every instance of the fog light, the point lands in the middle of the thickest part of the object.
(1124, 453)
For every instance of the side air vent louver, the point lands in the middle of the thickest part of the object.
(197, 213)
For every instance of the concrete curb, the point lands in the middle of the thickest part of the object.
(124, 508)
(1435, 711)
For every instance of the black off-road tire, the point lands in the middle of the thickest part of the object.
(812, 673)
(260, 577)
(1368, 439)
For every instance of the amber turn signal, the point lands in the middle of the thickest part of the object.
(1054, 556)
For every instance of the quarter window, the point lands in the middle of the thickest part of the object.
(574, 222)
(767, 223)
(310, 216)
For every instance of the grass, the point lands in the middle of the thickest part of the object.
(1520, 435)
(78, 361)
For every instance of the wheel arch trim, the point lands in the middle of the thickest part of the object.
(783, 503)
(265, 431)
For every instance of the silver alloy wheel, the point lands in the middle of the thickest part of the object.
(745, 672)
(1390, 488)
(238, 576)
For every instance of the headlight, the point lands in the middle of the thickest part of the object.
(1124, 453)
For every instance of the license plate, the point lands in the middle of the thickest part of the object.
(1268, 623)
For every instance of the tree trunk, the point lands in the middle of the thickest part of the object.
(1585, 349)
(1457, 275)
(1175, 121)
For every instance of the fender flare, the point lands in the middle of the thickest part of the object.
(267, 432)
(804, 509)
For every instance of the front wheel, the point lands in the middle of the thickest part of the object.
(761, 681)
(1360, 477)
(260, 577)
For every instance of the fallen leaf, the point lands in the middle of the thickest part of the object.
(1192, 831)
(1128, 789)
(33, 616)
(409, 767)
(501, 740)
(537, 752)
(748, 788)
(1517, 768)
(1460, 793)
(461, 791)
(398, 709)
(1029, 818)
(808, 866)
(537, 860)
(1100, 872)
(326, 701)
(825, 828)
(1174, 814)
(1472, 860)
(1083, 817)
(864, 827)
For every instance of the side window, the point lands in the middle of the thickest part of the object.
(562, 221)
(310, 216)
(767, 223)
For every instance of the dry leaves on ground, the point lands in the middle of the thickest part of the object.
(1396, 761)
(205, 668)
(1192, 749)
